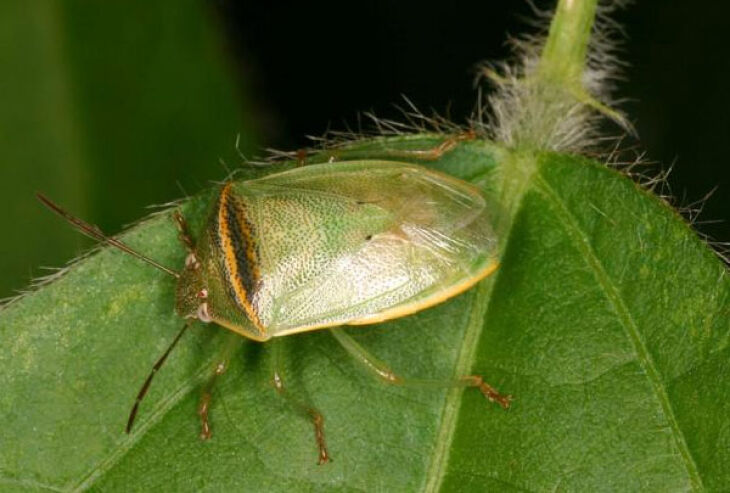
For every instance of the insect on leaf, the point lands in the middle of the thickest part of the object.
(607, 320)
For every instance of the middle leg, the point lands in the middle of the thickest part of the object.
(301, 408)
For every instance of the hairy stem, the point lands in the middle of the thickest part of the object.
(563, 59)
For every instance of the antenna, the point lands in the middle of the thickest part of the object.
(95, 233)
(148, 381)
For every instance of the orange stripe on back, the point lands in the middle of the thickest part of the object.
(232, 230)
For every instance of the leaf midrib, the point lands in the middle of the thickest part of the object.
(437, 467)
(517, 177)
(627, 321)
(447, 426)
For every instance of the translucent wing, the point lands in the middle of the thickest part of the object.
(362, 242)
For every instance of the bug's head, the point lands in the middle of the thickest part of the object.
(192, 292)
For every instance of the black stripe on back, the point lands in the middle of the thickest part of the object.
(240, 230)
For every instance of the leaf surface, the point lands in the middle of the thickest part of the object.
(607, 321)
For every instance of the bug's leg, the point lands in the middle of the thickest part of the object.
(305, 410)
(430, 154)
(433, 153)
(220, 367)
(183, 231)
(186, 239)
(382, 370)
(301, 157)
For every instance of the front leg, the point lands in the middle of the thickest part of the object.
(184, 232)
(222, 362)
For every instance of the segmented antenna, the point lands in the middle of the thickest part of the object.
(95, 233)
(146, 385)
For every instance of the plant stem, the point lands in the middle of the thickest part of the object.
(563, 58)
(555, 85)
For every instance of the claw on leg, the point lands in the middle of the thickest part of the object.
(204, 405)
(318, 421)
(489, 392)
(323, 456)
(205, 433)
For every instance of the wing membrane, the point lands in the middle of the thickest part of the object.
(362, 240)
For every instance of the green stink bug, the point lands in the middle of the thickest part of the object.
(323, 246)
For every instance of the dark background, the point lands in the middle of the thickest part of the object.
(315, 66)
(111, 106)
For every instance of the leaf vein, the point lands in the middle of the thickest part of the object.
(465, 359)
(627, 320)
(29, 483)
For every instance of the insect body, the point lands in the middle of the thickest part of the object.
(323, 246)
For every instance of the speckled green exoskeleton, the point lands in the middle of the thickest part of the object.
(323, 246)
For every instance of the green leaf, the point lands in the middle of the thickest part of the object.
(607, 321)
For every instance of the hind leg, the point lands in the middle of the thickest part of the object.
(382, 371)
